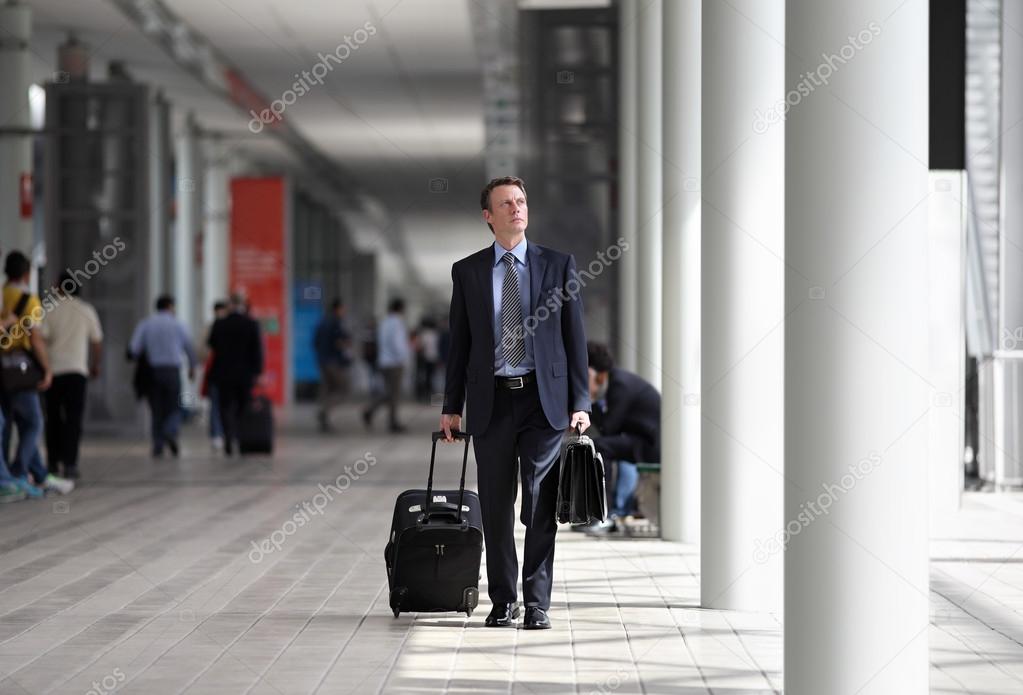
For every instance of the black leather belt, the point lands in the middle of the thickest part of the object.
(514, 382)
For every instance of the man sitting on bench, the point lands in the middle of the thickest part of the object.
(627, 413)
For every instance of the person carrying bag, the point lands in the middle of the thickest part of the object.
(19, 368)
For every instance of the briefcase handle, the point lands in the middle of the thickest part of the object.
(456, 434)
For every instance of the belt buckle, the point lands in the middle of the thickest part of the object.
(522, 383)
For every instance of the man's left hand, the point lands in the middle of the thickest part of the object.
(581, 418)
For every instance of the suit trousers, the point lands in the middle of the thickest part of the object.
(519, 430)
(233, 397)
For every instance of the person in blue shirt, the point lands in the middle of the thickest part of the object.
(333, 344)
(392, 356)
(167, 346)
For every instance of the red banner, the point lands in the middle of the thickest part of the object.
(257, 267)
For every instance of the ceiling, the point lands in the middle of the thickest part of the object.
(404, 108)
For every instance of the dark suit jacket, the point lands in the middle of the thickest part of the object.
(559, 340)
(237, 350)
(630, 426)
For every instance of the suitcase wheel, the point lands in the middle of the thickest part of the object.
(470, 599)
(468, 613)
(397, 596)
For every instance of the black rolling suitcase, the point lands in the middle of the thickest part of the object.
(436, 543)
(256, 426)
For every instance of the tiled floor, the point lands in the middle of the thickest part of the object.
(146, 580)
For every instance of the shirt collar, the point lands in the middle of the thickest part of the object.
(519, 252)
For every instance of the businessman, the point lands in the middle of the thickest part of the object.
(518, 363)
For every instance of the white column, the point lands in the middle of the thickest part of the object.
(946, 242)
(648, 194)
(1007, 369)
(856, 352)
(159, 203)
(743, 304)
(215, 227)
(680, 408)
(15, 150)
(628, 279)
(189, 193)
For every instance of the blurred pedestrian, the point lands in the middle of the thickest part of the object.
(166, 345)
(394, 349)
(26, 371)
(74, 339)
(237, 363)
(333, 345)
(427, 358)
(208, 388)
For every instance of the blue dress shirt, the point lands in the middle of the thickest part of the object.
(501, 366)
(165, 341)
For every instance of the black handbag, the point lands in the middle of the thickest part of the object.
(19, 370)
(582, 496)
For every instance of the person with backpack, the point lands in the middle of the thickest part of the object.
(24, 373)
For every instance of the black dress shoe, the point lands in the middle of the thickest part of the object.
(503, 615)
(536, 619)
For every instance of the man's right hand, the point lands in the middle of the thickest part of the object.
(449, 423)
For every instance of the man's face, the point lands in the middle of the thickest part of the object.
(598, 384)
(508, 213)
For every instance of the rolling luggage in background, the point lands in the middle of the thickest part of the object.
(433, 553)
(582, 495)
(256, 426)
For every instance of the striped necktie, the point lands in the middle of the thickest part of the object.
(513, 339)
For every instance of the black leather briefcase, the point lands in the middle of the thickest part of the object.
(582, 497)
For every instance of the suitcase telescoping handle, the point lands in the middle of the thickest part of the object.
(456, 434)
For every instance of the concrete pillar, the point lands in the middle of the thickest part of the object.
(743, 304)
(680, 409)
(15, 149)
(216, 230)
(628, 280)
(1007, 368)
(189, 209)
(856, 348)
(648, 193)
(159, 198)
